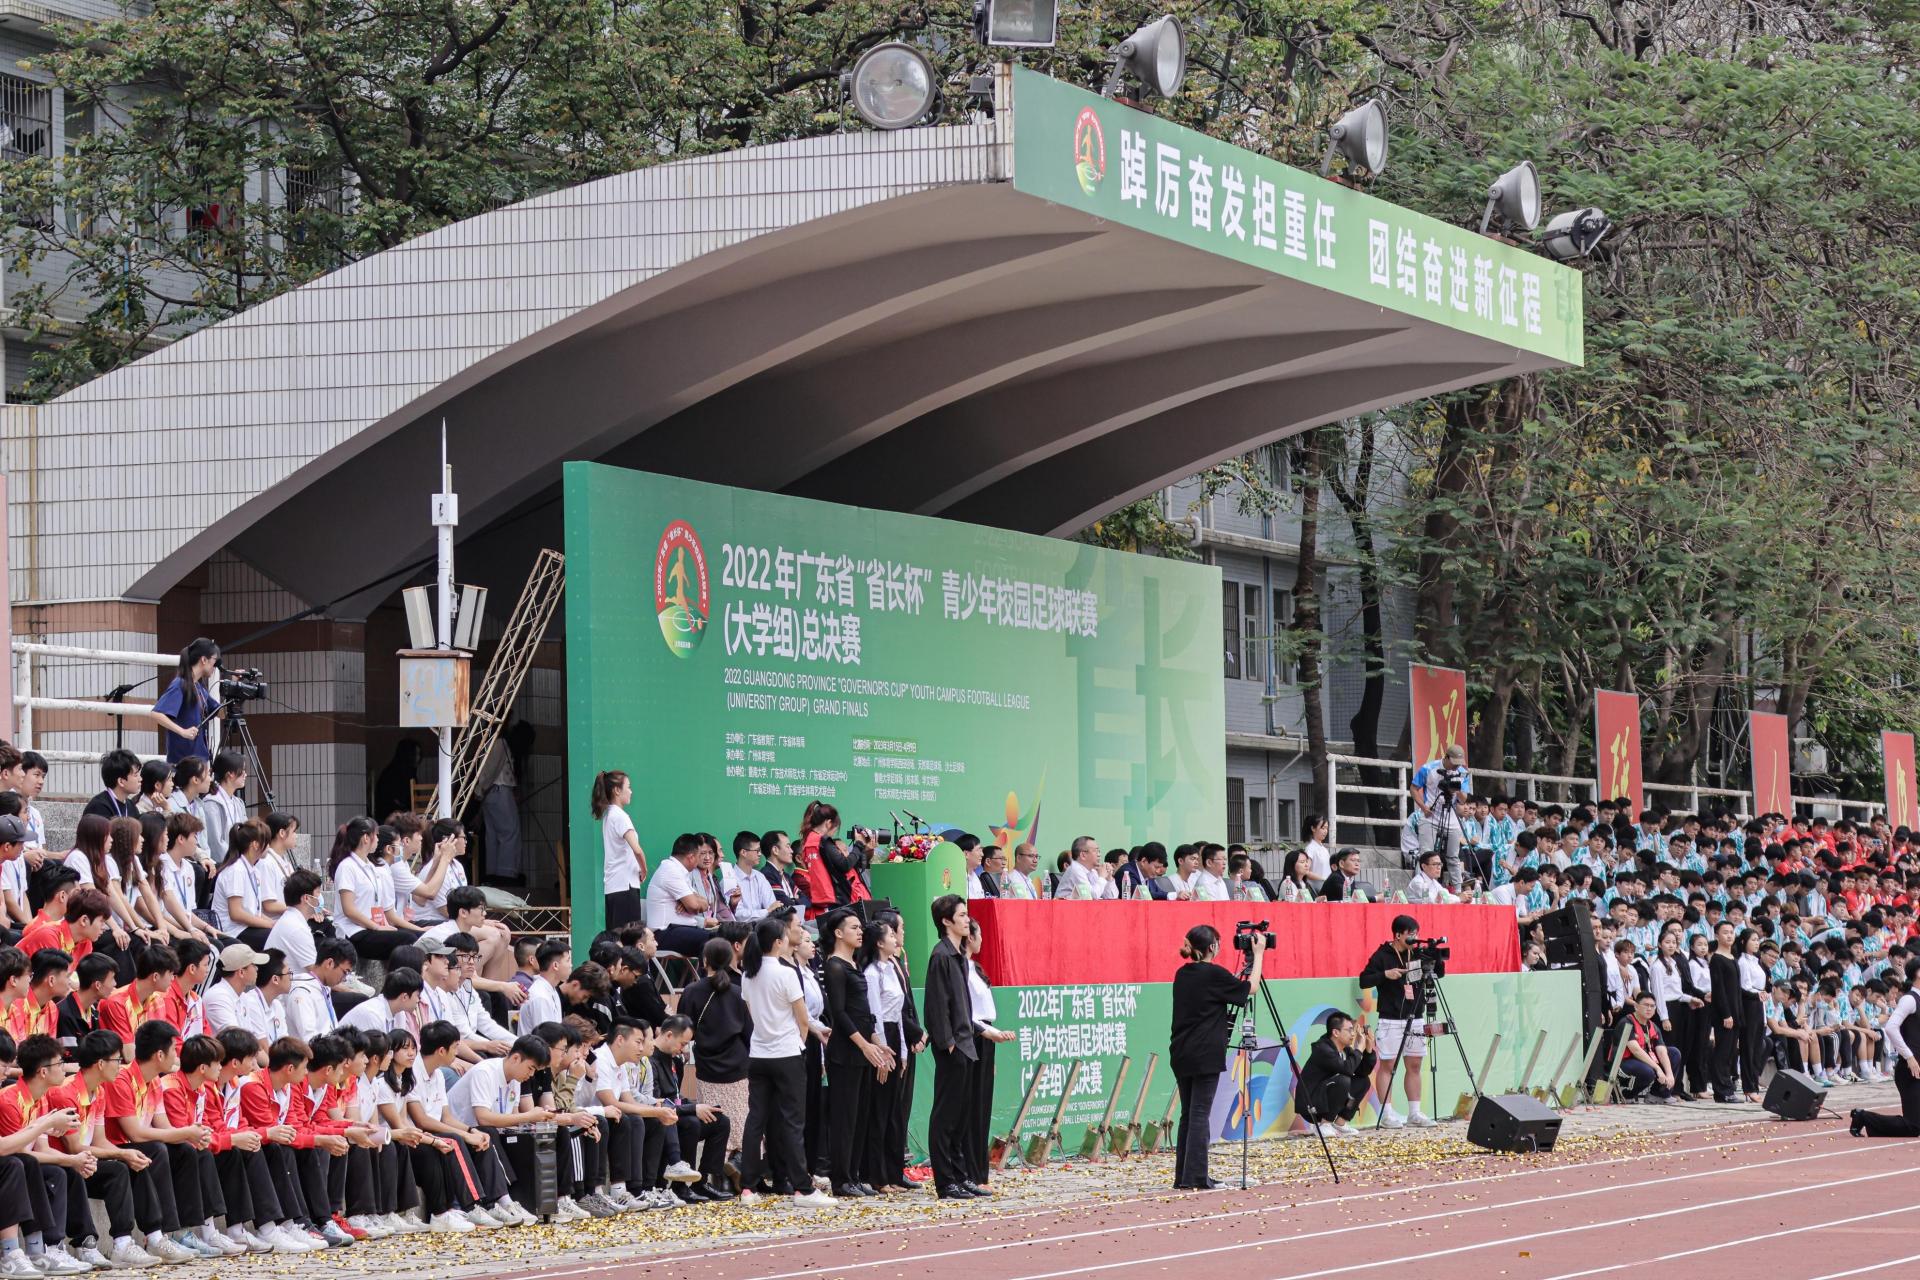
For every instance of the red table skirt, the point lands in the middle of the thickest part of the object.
(1034, 944)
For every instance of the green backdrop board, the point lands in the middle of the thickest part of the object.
(1100, 1025)
(1135, 169)
(740, 653)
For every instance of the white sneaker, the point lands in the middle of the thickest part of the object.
(253, 1240)
(749, 1197)
(1346, 1130)
(508, 1212)
(58, 1262)
(403, 1225)
(92, 1257)
(170, 1250)
(681, 1171)
(565, 1210)
(478, 1218)
(449, 1222)
(130, 1255)
(814, 1200)
(1391, 1119)
(1323, 1130)
(17, 1264)
(375, 1229)
(622, 1199)
(223, 1241)
(297, 1239)
(1419, 1119)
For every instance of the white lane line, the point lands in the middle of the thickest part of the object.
(1449, 1214)
(787, 1243)
(1740, 1240)
(1878, 1266)
(1505, 1241)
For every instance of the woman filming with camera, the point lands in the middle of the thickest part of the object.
(1204, 996)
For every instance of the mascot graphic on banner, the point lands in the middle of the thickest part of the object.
(680, 588)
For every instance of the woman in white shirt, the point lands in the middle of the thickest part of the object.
(623, 865)
(236, 898)
(884, 1161)
(276, 864)
(1319, 857)
(776, 1085)
(88, 859)
(361, 891)
(1753, 1026)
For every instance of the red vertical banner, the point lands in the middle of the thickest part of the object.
(1439, 697)
(1616, 747)
(1772, 765)
(1896, 757)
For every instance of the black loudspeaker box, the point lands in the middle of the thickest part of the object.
(1513, 1122)
(1793, 1095)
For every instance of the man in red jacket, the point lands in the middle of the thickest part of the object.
(136, 1121)
(75, 930)
(186, 1106)
(124, 1010)
(275, 1102)
(181, 1005)
(277, 1203)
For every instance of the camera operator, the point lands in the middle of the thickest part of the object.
(184, 708)
(1334, 1081)
(1438, 788)
(1204, 996)
(1398, 971)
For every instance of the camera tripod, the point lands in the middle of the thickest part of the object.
(1430, 1004)
(1248, 1046)
(249, 749)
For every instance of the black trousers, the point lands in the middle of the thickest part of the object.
(948, 1125)
(1335, 1098)
(445, 1180)
(626, 1146)
(313, 1170)
(1193, 1134)
(980, 1112)
(378, 944)
(711, 1137)
(624, 907)
(816, 1125)
(354, 1184)
(849, 1110)
(1726, 1051)
(14, 1209)
(1693, 1032)
(78, 1227)
(1753, 1041)
(154, 1204)
(776, 1117)
(112, 1185)
(246, 1183)
(1878, 1124)
(883, 1163)
(682, 940)
(39, 1199)
(197, 1186)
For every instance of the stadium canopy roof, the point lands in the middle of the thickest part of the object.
(1021, 322)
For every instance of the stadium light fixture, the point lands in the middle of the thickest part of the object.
(1515, 196)
(1016, 24)
(1155, 55)
(1360, 136)
(1574, 234)
(891, 86)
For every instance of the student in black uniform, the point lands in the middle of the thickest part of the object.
(1203, 996)
(1724, 1011)
(1903, 1043)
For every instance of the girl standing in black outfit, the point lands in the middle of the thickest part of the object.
(854, 1058)
(1203, 995)
(1724, 1013)
(722, 1035)
(1696, 979)
(883, 1162)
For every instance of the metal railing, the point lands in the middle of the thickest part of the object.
(27, 656)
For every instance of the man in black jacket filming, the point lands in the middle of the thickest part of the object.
(1396, 972)
(1335, 1079)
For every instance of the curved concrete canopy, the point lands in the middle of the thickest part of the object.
(870, 317)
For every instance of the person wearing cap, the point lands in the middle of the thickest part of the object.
(398, 1005)
(449, 961)
(239, 974)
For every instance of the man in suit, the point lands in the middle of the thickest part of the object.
(1338, 886)
(949, 1026)
(1335, 1079)
(986, 882)
(1148, 866)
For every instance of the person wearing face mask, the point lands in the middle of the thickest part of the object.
(292, 934)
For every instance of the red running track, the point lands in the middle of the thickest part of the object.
(1758, 1202)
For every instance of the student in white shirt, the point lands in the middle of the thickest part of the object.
(488, 1098)
(446, 1165)
(236, 896)
(276, 864)
(1319, 856)
(776, 1077)
(221, 808)
(753, 892)
(176, 878)
(440, 999)
(442, 872)
(261, 1010)
(623, 864)
(239, 970)
(309, 1000)
(363, 892)
(397, 1005)
(292, 933)
(466, 909)
(554, 959)
(883, 1162)
(1210, 881)
(477, 1020)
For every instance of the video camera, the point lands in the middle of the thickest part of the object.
(243, 685)
(1450, 780)
(1246, 931)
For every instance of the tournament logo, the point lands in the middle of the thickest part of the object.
(1089, 151)
(680, 588)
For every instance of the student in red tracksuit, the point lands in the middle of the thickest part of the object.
(333, 1085)
(310, 1111)
(268, 1101)
(191, 1097)
(246, 1173)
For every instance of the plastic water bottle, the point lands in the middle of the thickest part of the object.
(1287, 891)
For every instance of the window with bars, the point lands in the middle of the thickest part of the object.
(1230, 628)
(1236, 811)
(1285, 671)
(313, 192)
(81, 119)
(26, 133)
(1253, 663)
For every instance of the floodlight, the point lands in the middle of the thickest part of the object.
(1016, 24)
(891, 86)
(1360, 136)
(1574, 234)
(1155, 55)
(1515, 196)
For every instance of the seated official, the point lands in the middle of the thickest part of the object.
(1336, 1077)
(1340, 882)
(1144, 871)
(1086, 877)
